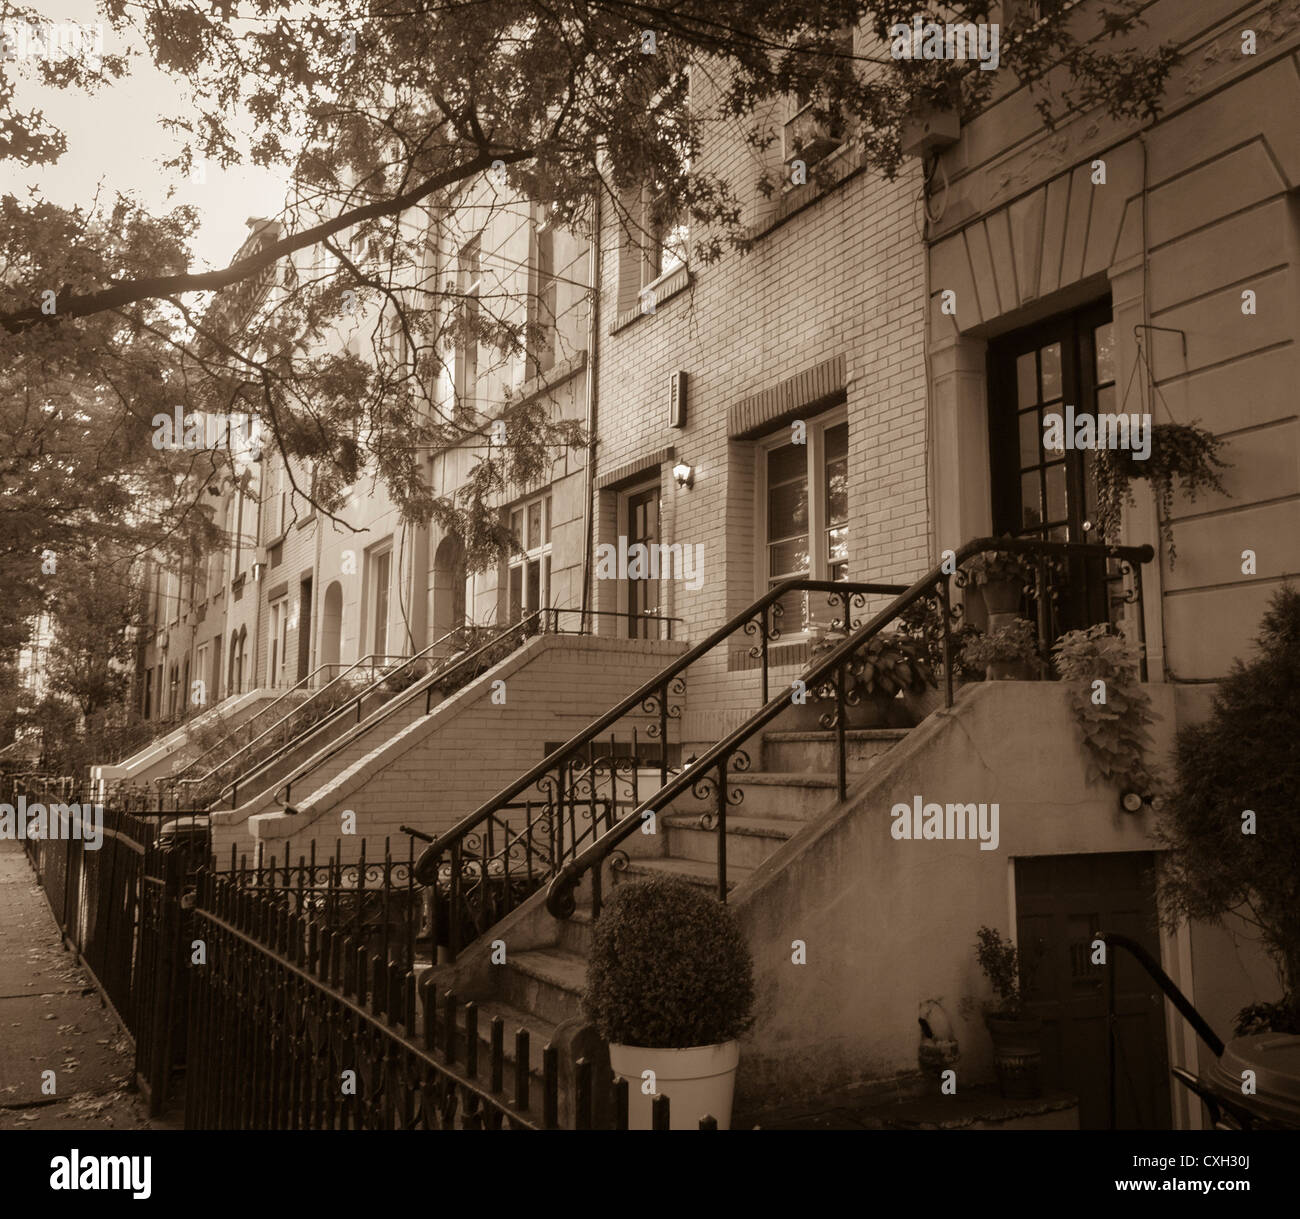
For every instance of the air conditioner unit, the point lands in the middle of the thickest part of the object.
(810, 138)
(677, 399)
(930, 132)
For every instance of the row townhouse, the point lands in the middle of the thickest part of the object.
(860, 392)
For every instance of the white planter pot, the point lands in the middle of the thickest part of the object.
(699, 1081)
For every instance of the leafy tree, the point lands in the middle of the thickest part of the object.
(382, 114)
(1243, 760)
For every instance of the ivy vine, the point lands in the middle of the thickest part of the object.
(1109, 704)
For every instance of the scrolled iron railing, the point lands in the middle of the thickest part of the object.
(710, 776)
(493, 859)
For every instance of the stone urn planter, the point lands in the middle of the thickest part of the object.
(1017, 1054)
(1008, 653)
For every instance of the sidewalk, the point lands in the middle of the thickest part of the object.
(51, 1019)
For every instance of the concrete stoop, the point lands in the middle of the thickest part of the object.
(851, 926)
(164, 755)
(406, 767)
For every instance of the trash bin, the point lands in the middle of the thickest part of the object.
(1275, 1060)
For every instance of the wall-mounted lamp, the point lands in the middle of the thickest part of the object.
(684, 475)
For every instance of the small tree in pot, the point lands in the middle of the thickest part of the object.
(1017, 1038)
(670, 986)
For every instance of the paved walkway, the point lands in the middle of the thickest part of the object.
(51, 1019)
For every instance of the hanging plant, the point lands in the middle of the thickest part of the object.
(1179, 451)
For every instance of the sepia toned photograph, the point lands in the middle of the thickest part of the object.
(612, 565)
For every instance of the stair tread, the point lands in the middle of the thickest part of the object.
(783, 778)
(851, 734)
(566, 970)
(761, 827)
(693, 869)
(540, 1030)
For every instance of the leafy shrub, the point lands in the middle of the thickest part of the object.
(1017, 640)
(668, 969)
(1244, 759)
(1267, 1018)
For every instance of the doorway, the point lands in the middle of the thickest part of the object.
(1065, 362)
(1061, 901)
(642, 593)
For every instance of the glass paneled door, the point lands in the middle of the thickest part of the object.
(1063, 368)
(643, 591)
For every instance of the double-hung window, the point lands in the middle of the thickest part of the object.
(530, 566)
(278, 651)
(805, 510)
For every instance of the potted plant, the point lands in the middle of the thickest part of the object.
(670, 986)
(1017, 1038)
(885, 666)
(1179, 451)
(1002, 576)
(923, 622)
(1005, 654)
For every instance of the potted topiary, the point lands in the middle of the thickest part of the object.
(670, 986)
(1017, 1038)
(1008, 653)
(1002, 576)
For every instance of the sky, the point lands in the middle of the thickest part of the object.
(115, 143)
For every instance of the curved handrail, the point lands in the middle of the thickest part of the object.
(1168, 986)
(425, 866)
(560, 900)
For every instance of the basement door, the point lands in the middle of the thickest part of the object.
(1060, 901)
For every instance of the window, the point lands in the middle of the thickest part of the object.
(202, 663)
(278, 670)
(544, 305)
(655, 243)
(277, 500)
(469, 285)
(381, 571)
(805, 513)
(810, 134)
(530, 572)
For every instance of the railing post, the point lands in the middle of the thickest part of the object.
(945, 613)
(767, 698)
(1111, 1099)
(722, 827)
(841, 741)
(1142, 620)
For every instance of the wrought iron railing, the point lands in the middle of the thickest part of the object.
(712, 776)
(493, 859)
(298, 711)
(298, 1025)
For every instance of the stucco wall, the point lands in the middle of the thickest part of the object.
(889, 923)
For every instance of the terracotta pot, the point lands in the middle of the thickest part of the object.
(1002, 596)
(699, 1081)
(1017, 1055)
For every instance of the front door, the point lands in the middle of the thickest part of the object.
(1065, 362)
(643, 592)
(1061, 901)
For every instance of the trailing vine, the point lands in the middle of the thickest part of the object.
(1179, 451)
(1110, 706)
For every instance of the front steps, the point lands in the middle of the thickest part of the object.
(540, 989)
